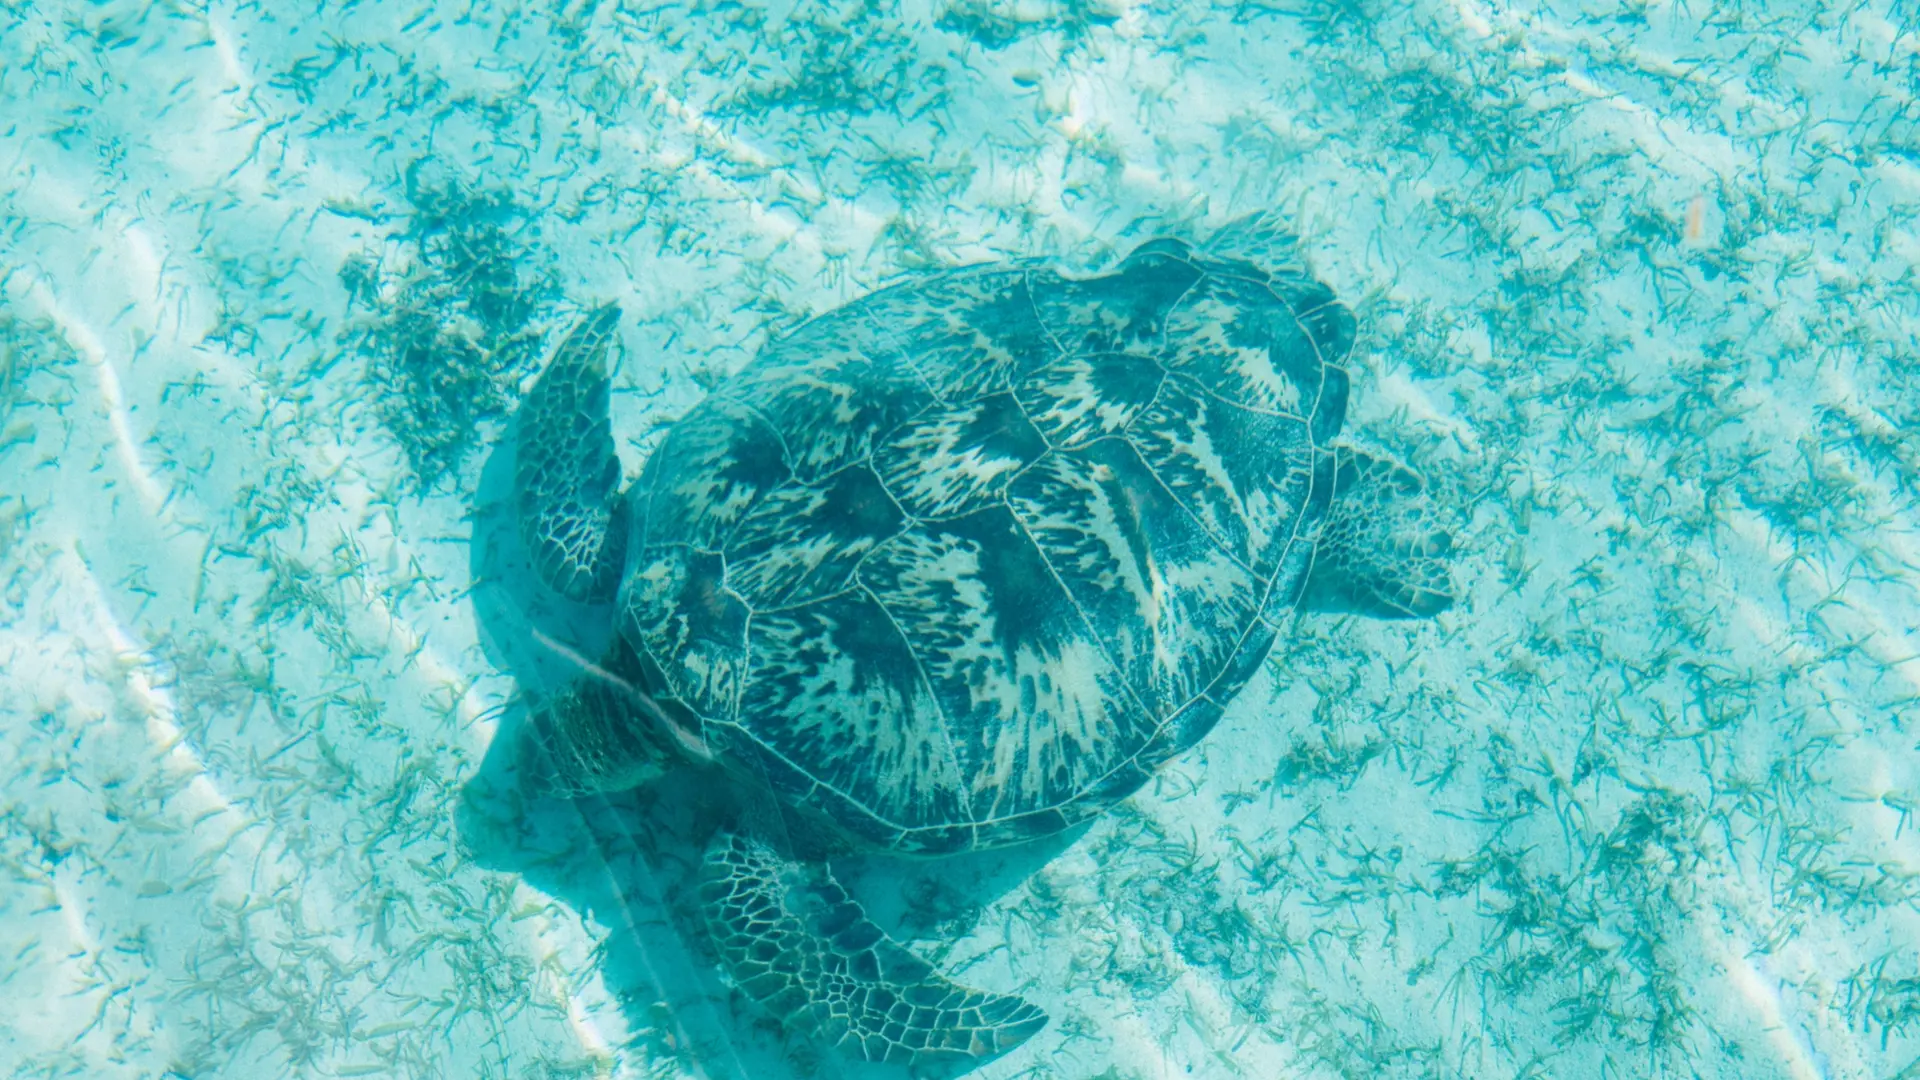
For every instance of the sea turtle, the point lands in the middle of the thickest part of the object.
(954, 566)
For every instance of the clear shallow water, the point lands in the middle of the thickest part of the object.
(1634, 284)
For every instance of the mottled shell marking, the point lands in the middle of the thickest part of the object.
(964, 560)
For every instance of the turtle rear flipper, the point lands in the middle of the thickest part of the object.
(800, 946)
(1380, 551)
(567, 473)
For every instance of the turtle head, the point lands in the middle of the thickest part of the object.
(1381, 551)
(606, 732)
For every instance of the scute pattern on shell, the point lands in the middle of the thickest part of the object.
(962, 561)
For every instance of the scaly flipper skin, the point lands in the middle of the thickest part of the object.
(1380, 552)
(1261, 239)
(567, 476)
(799, 946)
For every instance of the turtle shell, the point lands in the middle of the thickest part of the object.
(958, 564)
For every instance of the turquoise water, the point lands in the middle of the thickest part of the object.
(1635, 292)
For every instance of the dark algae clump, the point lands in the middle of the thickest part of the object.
(26, 347)
(454, 324)
(996, 26)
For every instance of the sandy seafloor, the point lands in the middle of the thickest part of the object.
(1636, 291)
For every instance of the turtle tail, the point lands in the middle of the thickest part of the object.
(799, 945)
(567, 473)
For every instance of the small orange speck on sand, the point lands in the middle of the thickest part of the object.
(1696, 230)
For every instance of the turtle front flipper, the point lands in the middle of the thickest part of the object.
(567, 473)
(1380, 552)
(800, 946)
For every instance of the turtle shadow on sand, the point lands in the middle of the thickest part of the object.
(629, 861)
